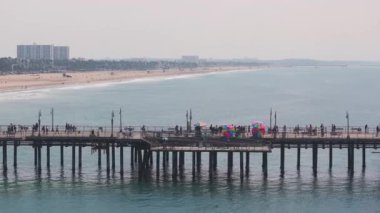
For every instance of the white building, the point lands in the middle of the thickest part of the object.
(61, 53)
(42, 52)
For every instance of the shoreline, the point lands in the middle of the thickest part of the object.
(28, 82)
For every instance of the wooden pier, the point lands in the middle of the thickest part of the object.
(164, 142)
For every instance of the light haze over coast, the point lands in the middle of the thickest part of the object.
(266, 29)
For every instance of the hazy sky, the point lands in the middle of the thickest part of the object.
(266, 29)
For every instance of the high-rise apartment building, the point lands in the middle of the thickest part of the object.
(61, 53)
(42, 52)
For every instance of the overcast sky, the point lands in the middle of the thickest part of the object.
(265, 29)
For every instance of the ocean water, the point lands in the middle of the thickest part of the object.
(299, 95)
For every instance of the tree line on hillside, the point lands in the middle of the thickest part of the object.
(13, 65)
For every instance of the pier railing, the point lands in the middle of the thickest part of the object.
(136, 132)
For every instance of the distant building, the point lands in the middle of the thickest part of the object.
(61, 53)
(190, 58)
(42, 52)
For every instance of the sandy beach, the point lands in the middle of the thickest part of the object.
(23, 82)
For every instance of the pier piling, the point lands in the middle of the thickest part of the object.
(215, 160)
(35, 154)
(265, 164)
(315, 158)
(174, 164)
(99, 156)
(230, 162)
(158, 164)
(79, 156)
(61, 155)
(15, 154)
(108, 158)
(210, 165)
(39, 157)
(247, 158)
(282, 156)
(5, 166)
(48, 155)
(298, 155)
(199, 161)
(330, 155)
(121, 155)
(132, 156)
(363, 155)
(193, 162)
(241, 165)
(113, 155)
(73, 157)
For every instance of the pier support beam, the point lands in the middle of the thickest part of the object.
(5, 157)
(164, 153)
(39, 157)
(363, 155)
(158, 164)
(35, 154)
(113, 156)
(315, 158)
(80, 156)
(230, 163)
(139, 156)
(61, 155)
(132, 156)
(299, 155)
(181, 160)
(265, 164)
(136, 154)
(199, 161)
(108, 157)
(210, 162)
(193, 162)
(351, 149)
(150, 159)
(99, 156)
(48, 155)
(174, 164)
(121, 155)
(73, 157)
(247, 158)
(241, 164)
(330, 156)
(215, 160)
(282, 156)
(15, 154)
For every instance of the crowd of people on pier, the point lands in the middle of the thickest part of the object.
(213, 130)
(69, 128)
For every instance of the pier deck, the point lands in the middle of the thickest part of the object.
(143, 143)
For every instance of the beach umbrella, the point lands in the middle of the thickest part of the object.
(258, 129)
(229, 131)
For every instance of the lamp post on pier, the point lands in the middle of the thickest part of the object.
(52, 119)
(187, 120)
(348, 124)
(270, 121)
(112, 116)
(121, 125)
(39, 123)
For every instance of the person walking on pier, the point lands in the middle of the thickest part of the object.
(377, 130)
(366, 129)
(322, 130)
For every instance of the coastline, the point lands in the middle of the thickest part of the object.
(26, 82)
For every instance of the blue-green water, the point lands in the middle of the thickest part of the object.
(300, 95)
